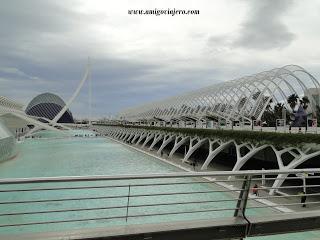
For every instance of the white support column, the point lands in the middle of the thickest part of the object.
(167, 139)
(119, 135)
(279, 154)
(215, 152)
(136, 136)
(156, 140)
(144, 134)
(292, 165)
(278, 182)
(194, 147)
(281, 177)
(149, 137)
(130, 137)
(177, 143)
(125, 135)
(241, 160)
(113, 134)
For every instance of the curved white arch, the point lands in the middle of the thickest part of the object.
(75, 94)
(223, 99)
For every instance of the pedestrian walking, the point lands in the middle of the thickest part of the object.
(194, 165)
(303, 199)
(255, 190)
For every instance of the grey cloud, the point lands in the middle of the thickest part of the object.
(218, 44)
(45, 31)
(34, 16)
(265, 28)
(11, 71)
(44, 46)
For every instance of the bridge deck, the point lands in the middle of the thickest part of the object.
(283, 223)
(205, 229)
(222, 228)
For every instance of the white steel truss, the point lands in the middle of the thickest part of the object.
(242, 99)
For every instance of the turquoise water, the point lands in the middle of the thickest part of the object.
(97, 156)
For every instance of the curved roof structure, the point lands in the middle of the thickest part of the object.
(244, 98)
(48, 105)
(8, 103)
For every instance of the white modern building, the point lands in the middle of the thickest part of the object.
(241, 99)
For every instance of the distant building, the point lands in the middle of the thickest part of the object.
(48, 105)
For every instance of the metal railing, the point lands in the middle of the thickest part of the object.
(280, 129)
(132, 182)
(144, 198)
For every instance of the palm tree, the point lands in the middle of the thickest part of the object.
(305, 101)
(278, 108)
(268, 115)
(293, 100)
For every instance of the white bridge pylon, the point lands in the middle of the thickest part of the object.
(54, 122)
(75, 94)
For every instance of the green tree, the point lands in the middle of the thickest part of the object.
(305, 102)
(293, 101)
(278, 108)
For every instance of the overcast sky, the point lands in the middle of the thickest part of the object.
(44, 47)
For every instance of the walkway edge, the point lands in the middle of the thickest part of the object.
(221, 184)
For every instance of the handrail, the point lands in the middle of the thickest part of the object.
(108, 200)
(155, 175)
(147, 184)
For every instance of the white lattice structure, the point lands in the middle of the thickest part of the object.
(243, 99)
(6, 102)
(48, 105)
(13, 111)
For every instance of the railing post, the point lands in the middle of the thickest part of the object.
(243, 197)
(263, 178)
(129, 189)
